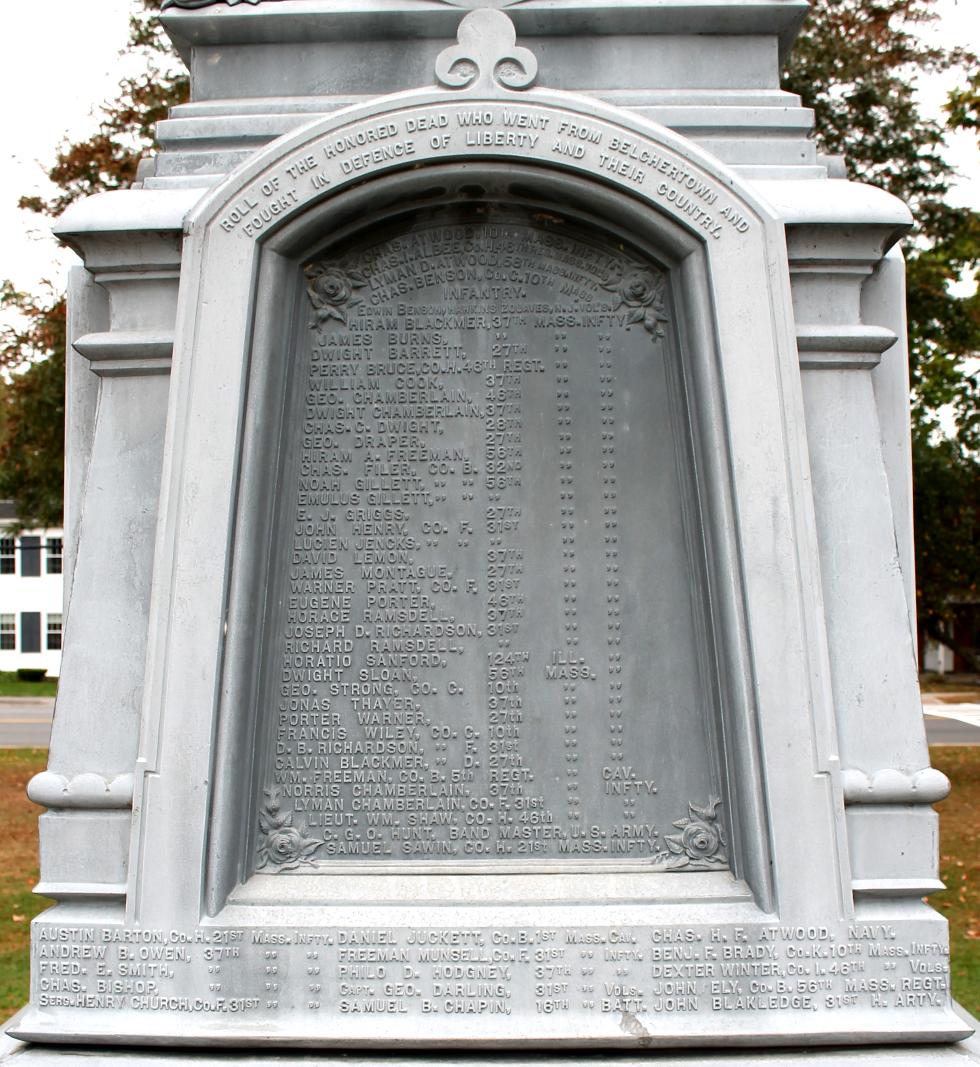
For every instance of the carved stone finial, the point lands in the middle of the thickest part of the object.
(487, 55)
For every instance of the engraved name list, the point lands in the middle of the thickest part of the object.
(474, 621)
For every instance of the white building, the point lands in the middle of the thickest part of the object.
(31, 595)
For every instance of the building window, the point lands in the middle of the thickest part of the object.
(30, 557)
(54, 555)
(54, 633)
(8, 556)
(8, 633)
(30, 630)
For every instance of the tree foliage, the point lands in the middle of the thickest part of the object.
(857, 64)
(32, 355)
(32, 406)
(964, 105)
(947, 519)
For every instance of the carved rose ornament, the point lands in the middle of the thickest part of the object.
(332, 291)
(282, 846)
(644, 293)
(700, 846)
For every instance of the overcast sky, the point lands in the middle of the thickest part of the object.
(60, 58)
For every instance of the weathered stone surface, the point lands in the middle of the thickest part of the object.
(962, 1054)
(501, 685)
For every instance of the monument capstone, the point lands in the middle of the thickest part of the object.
(490, 584)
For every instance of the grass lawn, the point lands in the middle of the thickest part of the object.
(18, 872)
(12, 686)
(960, 866)
(963, 687)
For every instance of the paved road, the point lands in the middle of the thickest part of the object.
(952, 718)
(26, 723)
(947, 731)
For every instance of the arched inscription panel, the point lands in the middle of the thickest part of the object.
(484, 639)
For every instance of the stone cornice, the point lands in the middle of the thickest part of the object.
(204, 23)
(190, 5)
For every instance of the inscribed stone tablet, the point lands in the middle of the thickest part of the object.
(487, 639)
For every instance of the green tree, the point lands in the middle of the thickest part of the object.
(32, 354)
(857, 64)
(947, 517)
(32, 406)
(964, 105)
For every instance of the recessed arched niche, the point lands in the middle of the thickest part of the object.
(480, 521)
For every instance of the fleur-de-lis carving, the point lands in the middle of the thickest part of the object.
(487, 55)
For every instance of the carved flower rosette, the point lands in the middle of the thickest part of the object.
(282, 846)
(332, 289)
(644, 293)
(701, 844)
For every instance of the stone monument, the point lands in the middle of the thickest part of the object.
(490, 614)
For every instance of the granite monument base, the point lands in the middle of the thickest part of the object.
(961, 1054)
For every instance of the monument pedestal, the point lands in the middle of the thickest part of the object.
(963, 1054)
(490, 627)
